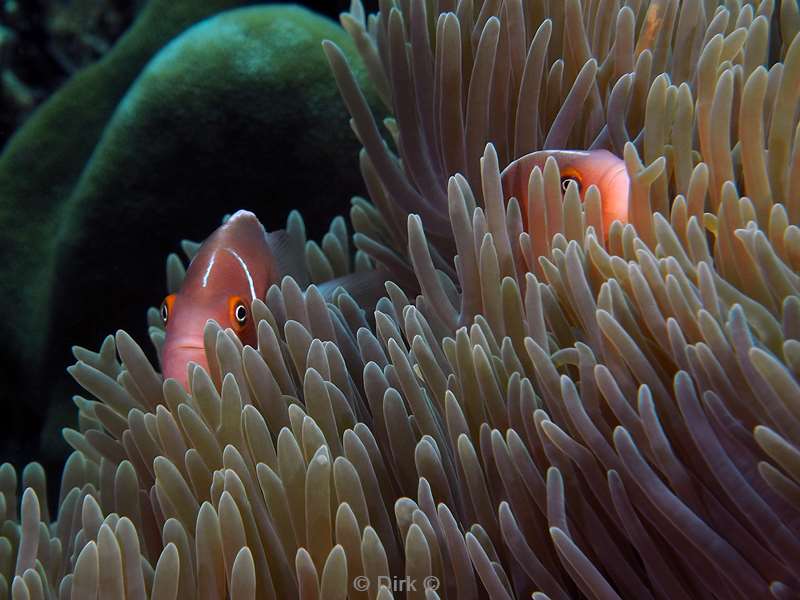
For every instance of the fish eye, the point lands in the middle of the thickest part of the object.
(166, 308)
(237, 312)
(565, 181)
(240, 314)
(570, 174)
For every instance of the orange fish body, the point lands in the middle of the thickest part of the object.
(586, 167)
(233, 266)
(236, 264)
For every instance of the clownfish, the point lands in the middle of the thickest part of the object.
(585, 168)
(235, 265)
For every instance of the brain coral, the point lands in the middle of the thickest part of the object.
(556, 414)
(241, 105)
(42, 161)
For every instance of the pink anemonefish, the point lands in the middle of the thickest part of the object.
(236, 264)
(585, 168)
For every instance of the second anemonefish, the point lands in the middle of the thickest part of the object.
(585, 168)
(235, 265)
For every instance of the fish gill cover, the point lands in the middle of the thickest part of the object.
(538, 407)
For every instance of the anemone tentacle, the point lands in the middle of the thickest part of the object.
(560, 412)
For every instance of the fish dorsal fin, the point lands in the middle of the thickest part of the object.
(365, 287)
(289, 253)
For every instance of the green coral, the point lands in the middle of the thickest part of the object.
(240, 111)
(42, 161)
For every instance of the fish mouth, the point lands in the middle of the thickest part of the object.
(188, 347)
(185, 344)
(177, 355)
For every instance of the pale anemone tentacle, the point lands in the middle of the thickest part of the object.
(560, 412)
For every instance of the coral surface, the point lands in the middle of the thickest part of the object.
(240, 106)
(38, 170)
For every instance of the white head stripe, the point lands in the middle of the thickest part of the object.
(208, 269)
(246, 272)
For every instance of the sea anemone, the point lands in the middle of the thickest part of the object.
(559, 412)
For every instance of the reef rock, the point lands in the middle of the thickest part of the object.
(239, 111)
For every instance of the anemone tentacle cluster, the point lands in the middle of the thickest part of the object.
(560, 412)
